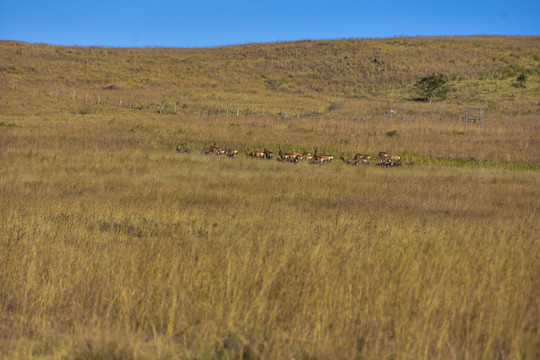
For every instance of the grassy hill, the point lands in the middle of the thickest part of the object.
(354, 75)
(115, 246)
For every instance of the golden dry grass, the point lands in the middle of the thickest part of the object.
(115, 246)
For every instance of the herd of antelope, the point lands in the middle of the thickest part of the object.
(385, 159)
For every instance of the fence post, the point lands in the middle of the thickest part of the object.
(237, 112)
(99, 98)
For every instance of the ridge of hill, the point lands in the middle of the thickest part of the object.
(352, 75)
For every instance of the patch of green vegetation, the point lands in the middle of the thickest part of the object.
(3, 124)
(471, 162)
(392, 133)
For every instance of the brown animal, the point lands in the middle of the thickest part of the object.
(231, 152)
(285, 155)
(214, 150)
(319, 161)
(345, 160)
(359, 157)
(318, 156)
(256, 154)
(288, 159)
(179, 150)
(268, 154)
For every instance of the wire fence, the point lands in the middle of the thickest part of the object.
(117, 106)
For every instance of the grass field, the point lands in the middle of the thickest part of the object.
(115, 246)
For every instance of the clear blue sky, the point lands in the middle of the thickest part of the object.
(203, 23)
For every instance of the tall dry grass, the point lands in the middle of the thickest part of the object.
(115, 246)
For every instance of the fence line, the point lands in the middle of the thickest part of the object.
(165, 108)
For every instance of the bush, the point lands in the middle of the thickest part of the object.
(520, 81)
(432, 86)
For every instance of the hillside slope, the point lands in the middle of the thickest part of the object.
(351, 75)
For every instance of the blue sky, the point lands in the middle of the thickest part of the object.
(214, 23)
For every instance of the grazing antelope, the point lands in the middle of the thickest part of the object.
(179, 150)
(214, 150)
(307, 156)
(268, 154)
(385, 163)
(317, 161)
(293, 160)
(345, 160)
(256, 154)
(365, 162)
(383, 156)
(285, 155)
(288, 159)
(318, 156)
(327, 157)
(231, 152)
(359, 157)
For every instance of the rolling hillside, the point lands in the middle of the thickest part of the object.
(354, 76)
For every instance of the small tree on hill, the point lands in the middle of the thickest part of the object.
(432, 86)
(520, 81)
